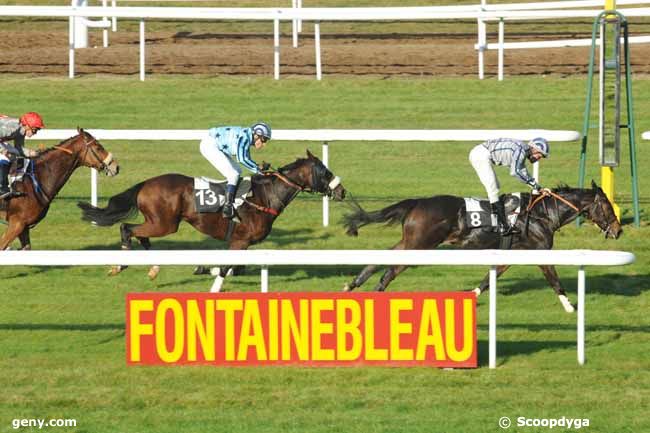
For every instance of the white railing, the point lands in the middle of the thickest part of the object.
(322, 135)
(479, 13)
(646, 135)
(266, 258)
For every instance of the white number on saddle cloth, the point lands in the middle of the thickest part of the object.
(476, 215)
(207, 197)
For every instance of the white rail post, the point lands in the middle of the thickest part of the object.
(114, 19)
(501, 49)
(581, 315)
(319, 70)
(142, 49)
(299, 20)
(482, 42)
(105, 29)
(294, 25)
(71, 48)
(492, 326)
(264, 275)
(93, 187)
(276, 49)
(80, 28)
(536, 171)
(326, 203)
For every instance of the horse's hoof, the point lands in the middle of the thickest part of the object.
(114, 270)
(347, 288)
(153, 272)
(477, 292)
(201, 270)
(568, 306)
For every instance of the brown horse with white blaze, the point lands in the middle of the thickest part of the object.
(166, 200)
(45, 176)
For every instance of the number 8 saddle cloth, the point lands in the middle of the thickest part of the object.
(479, 215)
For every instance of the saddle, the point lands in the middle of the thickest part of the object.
(210, 194)
(18, 169)
(479, 216)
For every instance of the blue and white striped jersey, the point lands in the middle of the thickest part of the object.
(511, 153)
(235, 141)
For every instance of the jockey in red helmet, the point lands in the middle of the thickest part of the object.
(15, 130)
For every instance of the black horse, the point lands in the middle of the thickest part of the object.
(166, 200)
(429, 222)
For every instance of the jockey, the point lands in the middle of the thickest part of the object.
(15, 130)
(222, 143)
(512, 153)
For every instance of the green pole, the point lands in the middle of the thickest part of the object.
(631, 129)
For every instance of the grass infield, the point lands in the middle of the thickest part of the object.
(62, 329)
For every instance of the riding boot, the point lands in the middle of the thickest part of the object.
(228, 209)
(505, 229)
(4, 181)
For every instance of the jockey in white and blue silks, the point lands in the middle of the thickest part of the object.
(223, 143)
(513, 154)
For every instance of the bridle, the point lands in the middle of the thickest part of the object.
(319, 187)
(104, 164)
(587, 209)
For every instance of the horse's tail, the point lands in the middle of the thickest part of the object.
(120, 207)
(390, 215)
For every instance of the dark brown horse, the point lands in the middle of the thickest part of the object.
(166, 200)
(44, 178)
(429, 222)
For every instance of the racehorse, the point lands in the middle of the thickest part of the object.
(44, 177)
(166, 200)
(429, 222)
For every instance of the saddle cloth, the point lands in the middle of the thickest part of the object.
(478, 213)
(18, 169)
(210, 194)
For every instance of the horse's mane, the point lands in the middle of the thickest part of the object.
(50, 149)
(292, 165)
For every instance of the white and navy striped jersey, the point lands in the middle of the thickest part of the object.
(236, 141)
(511, 153)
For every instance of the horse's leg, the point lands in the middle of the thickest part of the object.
(25, 243)
(389, 275)
(486, 281)
(15, 228)
(363, 276)
(125, 236)
(155, 269)
(554, 280)
(225, 271)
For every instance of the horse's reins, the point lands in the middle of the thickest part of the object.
(283, 178)
(554, 195)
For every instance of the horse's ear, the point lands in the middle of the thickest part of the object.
(310, 155)
(593, 184)
(80, 130)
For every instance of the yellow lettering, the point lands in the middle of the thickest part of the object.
(294, 331)
(273, 329)
(430, 333)
(229, 306)
(251, 332)
(174, 307)
(318, 328)
(372, 353)
(398, 328)
(137, 328)
(196, 327)
(351, 328)
(450, 330)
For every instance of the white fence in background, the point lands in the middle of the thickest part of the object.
(482, 14)
(266, 258)
(646, 135)
(322, 135)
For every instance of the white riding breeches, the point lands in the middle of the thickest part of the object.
(479, 157)
(222, 162)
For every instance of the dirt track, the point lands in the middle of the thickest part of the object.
(395, 54)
